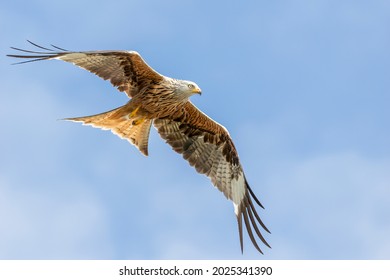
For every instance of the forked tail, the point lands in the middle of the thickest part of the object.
(124, 123)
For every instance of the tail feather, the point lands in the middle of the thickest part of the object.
(134, 130)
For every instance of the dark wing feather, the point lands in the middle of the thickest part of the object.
(207, 146)
(126, 70)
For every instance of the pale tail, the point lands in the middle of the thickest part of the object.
(135, 130)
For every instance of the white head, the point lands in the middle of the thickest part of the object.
(187, 88)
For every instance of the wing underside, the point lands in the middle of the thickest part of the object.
(209, 149)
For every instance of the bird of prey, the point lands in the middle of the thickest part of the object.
(164, 102)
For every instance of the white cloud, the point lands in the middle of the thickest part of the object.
(49, 225)
(332, 206)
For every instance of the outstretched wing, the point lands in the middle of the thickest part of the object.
(126, 70)
(207, 146)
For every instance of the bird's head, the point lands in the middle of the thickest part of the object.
(188, 88)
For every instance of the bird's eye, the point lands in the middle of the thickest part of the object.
(191, 86)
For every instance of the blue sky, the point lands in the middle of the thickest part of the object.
(302, 86)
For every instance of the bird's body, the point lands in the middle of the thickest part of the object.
(164, 102)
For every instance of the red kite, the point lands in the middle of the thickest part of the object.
(164, 102)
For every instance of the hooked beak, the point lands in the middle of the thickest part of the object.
(197, 90)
